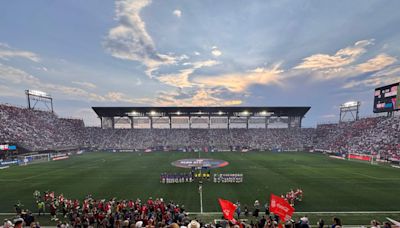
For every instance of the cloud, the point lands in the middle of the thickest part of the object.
(239, 82)
(87, 85)
(372, 82)
(16, 76)
(129, 40)
(341, 58)
(7, 52)
(13, 76)
(42, 69)
(328, 116)
(6, 91)
(117, 96)
(196, 53)
(342, 66)
(198, 97)
(379, 62)
(380, 78)
(215, 51)
(181, 79)
(177, 13)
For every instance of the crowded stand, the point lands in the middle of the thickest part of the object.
(39, 130)
(378, 136)
(42, 131)
(200, 139)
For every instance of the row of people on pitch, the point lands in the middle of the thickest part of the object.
(174, 178)
(293, 195)
(204, 175)
(228, 178)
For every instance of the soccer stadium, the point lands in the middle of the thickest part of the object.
(241, 149)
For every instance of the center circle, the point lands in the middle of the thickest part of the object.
(200, 162)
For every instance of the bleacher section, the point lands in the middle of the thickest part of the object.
(40, 131)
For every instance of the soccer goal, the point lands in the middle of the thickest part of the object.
(361, 157)
(34, 158)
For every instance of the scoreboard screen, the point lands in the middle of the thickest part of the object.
(7, 147)
(387, 98)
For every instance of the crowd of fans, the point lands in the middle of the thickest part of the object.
(39, 130)
(379, 136)
(92, 212)
(192, 139)
(151, 213)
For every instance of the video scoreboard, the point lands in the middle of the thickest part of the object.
(387, 98)
(7, 147)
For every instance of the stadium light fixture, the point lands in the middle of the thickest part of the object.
(38, 93)
(178, 113)
(153, 113)
(349, 104)
(245, 113)
(264, 113)
(220, 113)
(132, 113)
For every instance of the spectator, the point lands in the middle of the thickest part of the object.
(337, 223)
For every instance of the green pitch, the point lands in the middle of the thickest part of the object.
(328, 184)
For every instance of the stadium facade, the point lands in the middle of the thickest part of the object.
(200, 117)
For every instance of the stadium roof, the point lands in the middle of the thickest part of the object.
(200, 111)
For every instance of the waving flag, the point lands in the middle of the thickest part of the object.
(280, 207)
(228, 208)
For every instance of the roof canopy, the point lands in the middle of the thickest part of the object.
(199, 111)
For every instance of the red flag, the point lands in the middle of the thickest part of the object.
(228, 208)
(281, 207)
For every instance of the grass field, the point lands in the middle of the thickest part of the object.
(328, 184)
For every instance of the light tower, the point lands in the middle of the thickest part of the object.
(35, 96)
(350, 107)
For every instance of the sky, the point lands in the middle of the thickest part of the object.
(199, 53)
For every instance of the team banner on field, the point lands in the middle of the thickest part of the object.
(280, 207)
(228, 208)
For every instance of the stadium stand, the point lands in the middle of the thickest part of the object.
(220, 139)
(376, 135)
(40, 131)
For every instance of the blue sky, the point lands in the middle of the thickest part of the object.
(162, 53)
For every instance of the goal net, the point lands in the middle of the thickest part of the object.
(361, 157)
(34, 158)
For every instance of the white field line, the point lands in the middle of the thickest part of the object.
(315, 212)
(297, 212)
